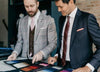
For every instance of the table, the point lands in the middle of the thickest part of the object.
(5, 67)
(23, 64)
(8, 68)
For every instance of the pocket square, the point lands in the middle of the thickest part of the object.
(43, 28)
(80, 29)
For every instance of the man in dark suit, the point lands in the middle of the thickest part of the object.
(76, 47)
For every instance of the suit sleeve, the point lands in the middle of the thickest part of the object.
(18, 45)
(52, 38)
(94, 32)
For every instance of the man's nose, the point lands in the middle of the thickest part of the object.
(59, 9)
(29, 8)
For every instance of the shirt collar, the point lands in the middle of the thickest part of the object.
(73, 13)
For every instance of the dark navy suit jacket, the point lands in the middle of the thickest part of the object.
(81, 51)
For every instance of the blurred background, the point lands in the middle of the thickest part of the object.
(12, 10)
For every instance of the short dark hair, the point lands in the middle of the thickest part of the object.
(66, 1)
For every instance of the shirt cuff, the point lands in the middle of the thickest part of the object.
(90, 66)
(56, 55)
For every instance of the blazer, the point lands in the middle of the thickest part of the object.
(85, 31)
(45, 38)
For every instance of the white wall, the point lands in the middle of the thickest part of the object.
(3, 15)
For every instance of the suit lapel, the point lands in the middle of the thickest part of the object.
(40, 23)
(75, 26)
(26, 22)
(61, 25)
(26, 26)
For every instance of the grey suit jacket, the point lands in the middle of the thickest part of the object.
(45, 38)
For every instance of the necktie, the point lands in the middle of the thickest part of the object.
(31, 39)
(32, 23)
(65, 42)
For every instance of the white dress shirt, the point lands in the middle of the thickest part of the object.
(35, 18)
(72, 16)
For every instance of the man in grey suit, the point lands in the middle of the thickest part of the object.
(43, 37)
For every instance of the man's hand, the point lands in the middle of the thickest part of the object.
(37, 57)
(52, 60)
(83, 69)
(13, 56)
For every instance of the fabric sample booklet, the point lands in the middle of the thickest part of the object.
(26, 66)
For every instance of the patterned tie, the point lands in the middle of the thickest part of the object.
(65, 42)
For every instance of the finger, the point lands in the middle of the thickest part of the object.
(51, 61)
(39, 57)
(9, 58)
(13, 58)
(48, 60)
(74, 71)
(77, 70)
(34, 59)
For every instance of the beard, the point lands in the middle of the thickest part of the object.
(32, 13)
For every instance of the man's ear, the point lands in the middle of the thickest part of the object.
(37, 4)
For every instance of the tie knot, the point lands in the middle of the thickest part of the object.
(32, 19)
(68, 17)
(32, 23)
